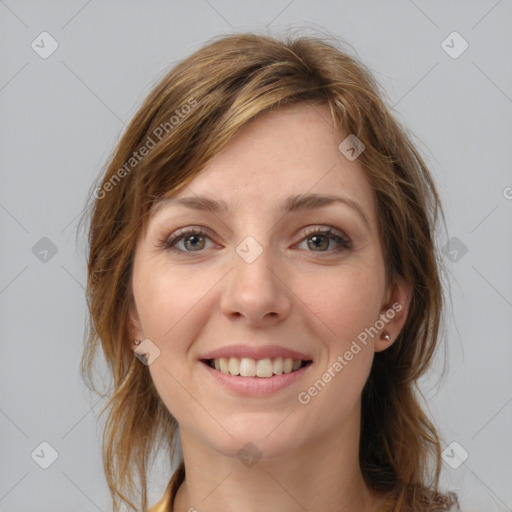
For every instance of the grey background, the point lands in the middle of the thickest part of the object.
(60, 118)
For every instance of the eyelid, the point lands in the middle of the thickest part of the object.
(181, 232)
(332, 233)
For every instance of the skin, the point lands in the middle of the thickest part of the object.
(311, 298)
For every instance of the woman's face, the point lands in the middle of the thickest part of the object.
(260, 274)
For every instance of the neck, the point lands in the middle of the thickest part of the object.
(323, 475)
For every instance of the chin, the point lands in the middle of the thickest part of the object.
(266, 438)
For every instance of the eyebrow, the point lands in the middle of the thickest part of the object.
(296, 203)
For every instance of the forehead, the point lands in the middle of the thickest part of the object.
(289, 151)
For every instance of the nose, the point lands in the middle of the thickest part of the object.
(256, 290)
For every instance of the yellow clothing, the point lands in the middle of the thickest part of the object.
(164, 504)
(167, 501)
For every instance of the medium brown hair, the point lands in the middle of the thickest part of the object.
(185, 121)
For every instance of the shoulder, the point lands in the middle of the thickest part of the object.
(430, 501)
(445, 503)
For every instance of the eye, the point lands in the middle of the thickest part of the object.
(193, 239)
(321, 238)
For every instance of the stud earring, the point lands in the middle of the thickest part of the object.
(137, 342)
(386, 336)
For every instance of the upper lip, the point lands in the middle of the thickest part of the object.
(256, 352)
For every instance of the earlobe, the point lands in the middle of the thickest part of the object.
(134, 328)
(394, 314)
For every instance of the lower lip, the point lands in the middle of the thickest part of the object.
(256, 386)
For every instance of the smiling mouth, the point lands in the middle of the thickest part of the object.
(247, 367)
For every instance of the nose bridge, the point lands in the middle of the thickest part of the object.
(255, 289)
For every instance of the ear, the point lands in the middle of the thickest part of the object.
(135, 326)
(393, 313)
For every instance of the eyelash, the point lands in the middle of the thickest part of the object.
(343, 241)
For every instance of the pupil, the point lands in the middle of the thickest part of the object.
(319, 238)
(192, 237)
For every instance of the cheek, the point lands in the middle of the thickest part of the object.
(170, 301)
(174, 307)
(345, 306)
(344, 303)
(166, 298)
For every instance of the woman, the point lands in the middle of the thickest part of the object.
(262, 242)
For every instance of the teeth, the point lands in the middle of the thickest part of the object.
(278, 367)
(223, 363)
(264, 368)
(247, 367)
(234, 366)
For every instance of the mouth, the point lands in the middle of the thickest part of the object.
(263, 368)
